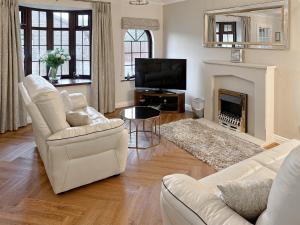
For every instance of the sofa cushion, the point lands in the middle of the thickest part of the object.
(248, 198)
(284, 200)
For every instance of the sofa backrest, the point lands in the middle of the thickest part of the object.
(45, 101)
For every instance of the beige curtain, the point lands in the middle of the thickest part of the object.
(103, 85)
(211, 31)
(246, 28)
(12, 111)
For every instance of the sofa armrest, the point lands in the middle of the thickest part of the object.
(84, 133)
(185, 199)
(78, 101)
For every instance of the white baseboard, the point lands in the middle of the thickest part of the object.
(124, 104)
(188, 107)
(279, 139)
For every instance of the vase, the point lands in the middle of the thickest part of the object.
(53, 77)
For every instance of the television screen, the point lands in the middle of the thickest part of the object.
(160, 73)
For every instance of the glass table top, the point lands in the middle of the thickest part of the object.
(139, 113)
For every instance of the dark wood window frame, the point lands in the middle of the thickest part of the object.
(222, 31)
(150, 51)
(26, 25)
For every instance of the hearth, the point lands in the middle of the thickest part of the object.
(232, 110)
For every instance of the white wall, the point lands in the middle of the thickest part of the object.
(183, 33)
(120, 8)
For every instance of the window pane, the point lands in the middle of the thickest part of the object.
(139, 34)
(127, 59)
(128, 37)
(145, 55)
(127, 47)
(136, 47)
(43, 37)
(66, 49)
(85, 20)
(43, 69)
(86, 38)
(20, 17)
(56, 20)
(144, 37)
(35, 18)
(65, 38)
(43, 19)
(79, 67)
(144, 47)
(57, 37)
(79, 52)
(86, 68)
(43, 51)
(80, 20)
(135, 56)
(86, 52)
(65, 68)
(35, 37)
(128, 71)
(65, 20)
(35, 68)
(35, 53)
(78, 37)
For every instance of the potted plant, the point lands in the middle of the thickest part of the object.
(53, 59)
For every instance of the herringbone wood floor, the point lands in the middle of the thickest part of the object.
(132, 198)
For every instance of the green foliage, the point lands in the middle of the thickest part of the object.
(55, 58)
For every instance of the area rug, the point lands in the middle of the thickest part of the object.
(209, 142)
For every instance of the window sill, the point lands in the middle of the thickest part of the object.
(72, 82)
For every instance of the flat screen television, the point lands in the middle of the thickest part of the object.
(162, 74)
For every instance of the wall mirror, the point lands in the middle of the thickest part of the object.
(262, 26)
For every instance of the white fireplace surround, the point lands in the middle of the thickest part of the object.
(261, 77)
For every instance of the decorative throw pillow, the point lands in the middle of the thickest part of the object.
(248, 198)
(66, 100)
(77, 119)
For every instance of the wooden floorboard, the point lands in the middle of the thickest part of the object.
(132, 198)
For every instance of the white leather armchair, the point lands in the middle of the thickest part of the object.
(73, 156)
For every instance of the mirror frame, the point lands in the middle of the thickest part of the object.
(284, 4)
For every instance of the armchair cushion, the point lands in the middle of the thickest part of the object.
(52, 110)
(78, 101)
(68, 104)
(248, 198)
(91, 131)
(77, 119)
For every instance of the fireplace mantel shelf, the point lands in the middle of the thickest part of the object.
(245, 65)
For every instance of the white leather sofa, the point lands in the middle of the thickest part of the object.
(73, 156)
(185, 200)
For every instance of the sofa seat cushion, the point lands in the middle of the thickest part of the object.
(94, 115)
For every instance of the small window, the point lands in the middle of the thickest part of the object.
(137, 44)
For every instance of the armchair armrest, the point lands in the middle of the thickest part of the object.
(88, 132)
(194, 202)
